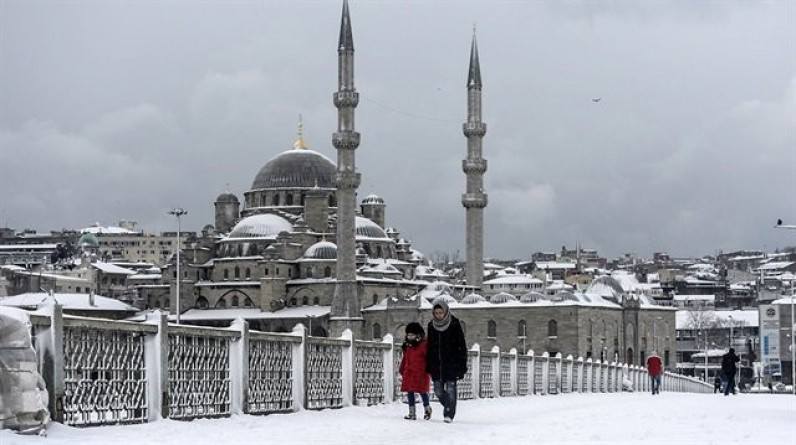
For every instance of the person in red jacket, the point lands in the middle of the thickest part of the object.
(415, 379)
(655, 370)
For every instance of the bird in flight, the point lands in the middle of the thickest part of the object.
(597, 99)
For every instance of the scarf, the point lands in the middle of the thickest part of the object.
(441, 325)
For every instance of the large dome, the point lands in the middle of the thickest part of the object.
(366, 228)
(297, 168)
(260, 226)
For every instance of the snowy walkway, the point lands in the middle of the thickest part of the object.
(564, 419)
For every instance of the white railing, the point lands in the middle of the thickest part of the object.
(102, 372)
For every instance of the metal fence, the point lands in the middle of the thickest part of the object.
(102, 372)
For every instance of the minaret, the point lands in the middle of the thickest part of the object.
(474, 200)
(346, 304)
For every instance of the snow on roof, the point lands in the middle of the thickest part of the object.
(694, 298)
(97, 228)
(514, 279)
(12, 267)
(28, 247)
(785, 300)
(627, 280)
(144, 276)
(748, 317)
(112, 268)
(81, 302)
(255, 313)
(775, 265)
(547, 265)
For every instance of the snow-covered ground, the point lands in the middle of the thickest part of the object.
(639, 418)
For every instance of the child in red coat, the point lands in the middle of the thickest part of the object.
(415, 379)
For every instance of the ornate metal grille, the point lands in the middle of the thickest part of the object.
(522, 375)
(198, 376)
(538, 374)
(565, 384)
(595, 377)
(575, 376)
(104, 377)
(505, 375)
(610, 378)
(397, 357)
(464, 387)
(603, 377)
(369, 374)
(324, 375)
(552, 383)
(487, 387)
(270, 377)
(585, 382)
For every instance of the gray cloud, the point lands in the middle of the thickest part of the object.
(123, 110)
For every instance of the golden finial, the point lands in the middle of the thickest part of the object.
(299, 144)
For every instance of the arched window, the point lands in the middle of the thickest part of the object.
(293, 302)
(237, 272)
(305, 301)
(522, 330)
(309, 272)
(222, 303)
(157, 304)
(275, 200)
(235, 301)
(327, 272)
(266, 271)
(316, 301)
(375, 298)
(226, 274)
(491, 329)
(376, 331)
(248, 273)
(248, 302)
(552, 328)
(166, 303)
(201, 303)
(289, 199)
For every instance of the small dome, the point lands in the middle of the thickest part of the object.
(532, 297)
(564, 296)
(260, 226)
(368, 229)
(446, 298)
(502, 297)
(323, 250)
(298, 168)
(473, 298)
(372, 199)
(227, 197)
(88, 239)
(606, 287)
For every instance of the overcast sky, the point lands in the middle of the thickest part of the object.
(121, 110)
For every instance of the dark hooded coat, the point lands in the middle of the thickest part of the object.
(447, 349)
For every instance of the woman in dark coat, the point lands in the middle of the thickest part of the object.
(447, 356)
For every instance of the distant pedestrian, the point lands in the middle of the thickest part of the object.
(655, 370)
(414, 378)
(728, 368)
(447, 356)
(717, 384)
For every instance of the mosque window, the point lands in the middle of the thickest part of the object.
(248, 273)
(226, 274)
(316, 301)
(222, 303)
(289, 199)
(293, 302)
(552, 328)
(666, 357)
(275, 200)
(237, 272)
(522, 330)
(305, 301)
(327, 272)
(157, 304)
(201, 303)
(309, 272)
(235, 301)
(491, 329)
(248, 302)
(376, 331)
(266, 271)
(166, 303)
(375, 298)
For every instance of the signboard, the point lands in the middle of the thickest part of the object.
(769, 335)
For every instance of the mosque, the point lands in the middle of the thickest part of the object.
(298, 248)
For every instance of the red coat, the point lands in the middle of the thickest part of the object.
(654, 365)
(413, 368)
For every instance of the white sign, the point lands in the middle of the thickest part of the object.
(769, 333)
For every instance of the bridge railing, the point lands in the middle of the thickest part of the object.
(102, 372)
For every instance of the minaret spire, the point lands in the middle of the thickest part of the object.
(474, 166)
(300, 144)
(346, 310)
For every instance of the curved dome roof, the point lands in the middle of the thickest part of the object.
(372, 199)
(260, 226)
(472, 299)
(323, 250)
(606, 287)
(502, 297)
(227, 197)
(88, 239)
(298, 168)
(532, 297)
(446, 298)
(564, 296)
(369, 229)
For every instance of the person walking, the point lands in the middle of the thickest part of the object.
(655, 370)
(728, 368)
(717, 384)
(414, 378)
(447, 356)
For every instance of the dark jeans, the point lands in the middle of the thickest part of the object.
(730, 385)
(410, 397)
(446, 394)
(655, 381)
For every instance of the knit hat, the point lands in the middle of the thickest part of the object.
(415, 328)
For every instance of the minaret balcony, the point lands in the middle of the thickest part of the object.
(343, 99)
(348, 179)
(474, 129)
(474, 200)
(474, 165)
(345, 140)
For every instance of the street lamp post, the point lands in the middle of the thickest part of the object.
(792, 323)
(178, 212)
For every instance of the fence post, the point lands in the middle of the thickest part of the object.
(581, 372)
(299, 368)
(531, 363)
(51, 345)
(570, 372)
(513, 372)
(349, 373)
(589, 376)
(239, 368)
(475, 365)
(496, 371)
(559, 370)
(156, 357)
(389, 369)
(545, 372)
